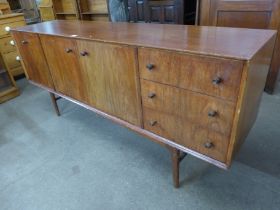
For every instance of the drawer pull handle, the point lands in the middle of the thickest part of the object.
(208, 145)
(24, 42)
(212, 113)
(217, 80)
(84, 53)
(12, 42)
(67, 50)
(151, 95)
(7, 28)
(150, 66)
(153, 123)
(18, 58)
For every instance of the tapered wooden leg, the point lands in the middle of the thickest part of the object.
(177, 156)
(54, 102)
(175, 166)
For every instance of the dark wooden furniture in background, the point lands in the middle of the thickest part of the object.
(149, 11)
(260, 14)
(196, 90)
(8, 88)
(162, 11)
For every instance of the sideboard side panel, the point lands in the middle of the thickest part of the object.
(252, 86)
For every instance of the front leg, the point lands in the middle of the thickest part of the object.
(177, 156)
(54, 102)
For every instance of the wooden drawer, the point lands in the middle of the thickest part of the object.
(186, 133)
(10, 18)
(6, 46)
(17, 71)
(4, 28)
(208, 112)
(212, 76)
(10, 60)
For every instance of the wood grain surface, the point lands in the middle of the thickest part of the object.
(215, 41)
(190, 106)
(67, 75)
(33, 58)
(190, 72)
(112, 79)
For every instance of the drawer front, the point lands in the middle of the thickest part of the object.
(5, 28)
(208, 112)
(17, 71)
(10, 60)
(11, 19)
(216, 77)
(187, 134)
(7, 45)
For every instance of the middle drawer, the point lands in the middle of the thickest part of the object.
(209, 112)
(10, 59)
(7, 44)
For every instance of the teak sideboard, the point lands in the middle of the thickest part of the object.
(194, 89)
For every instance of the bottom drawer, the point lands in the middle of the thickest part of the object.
(187, 134)
(10, 60)
(16, 71)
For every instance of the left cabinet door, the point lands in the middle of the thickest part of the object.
(62, 57)
(33, 58)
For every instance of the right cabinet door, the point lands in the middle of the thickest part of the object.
(112, 80)
(113, 84)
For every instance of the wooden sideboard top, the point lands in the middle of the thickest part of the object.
(234, 43)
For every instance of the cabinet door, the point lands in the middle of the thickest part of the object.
(260, 14)
(112, 79)
(61, 54)
(240, 13)
(168, 11)
(33, 58)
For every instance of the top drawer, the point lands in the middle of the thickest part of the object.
(212, 76)
(6, 27)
